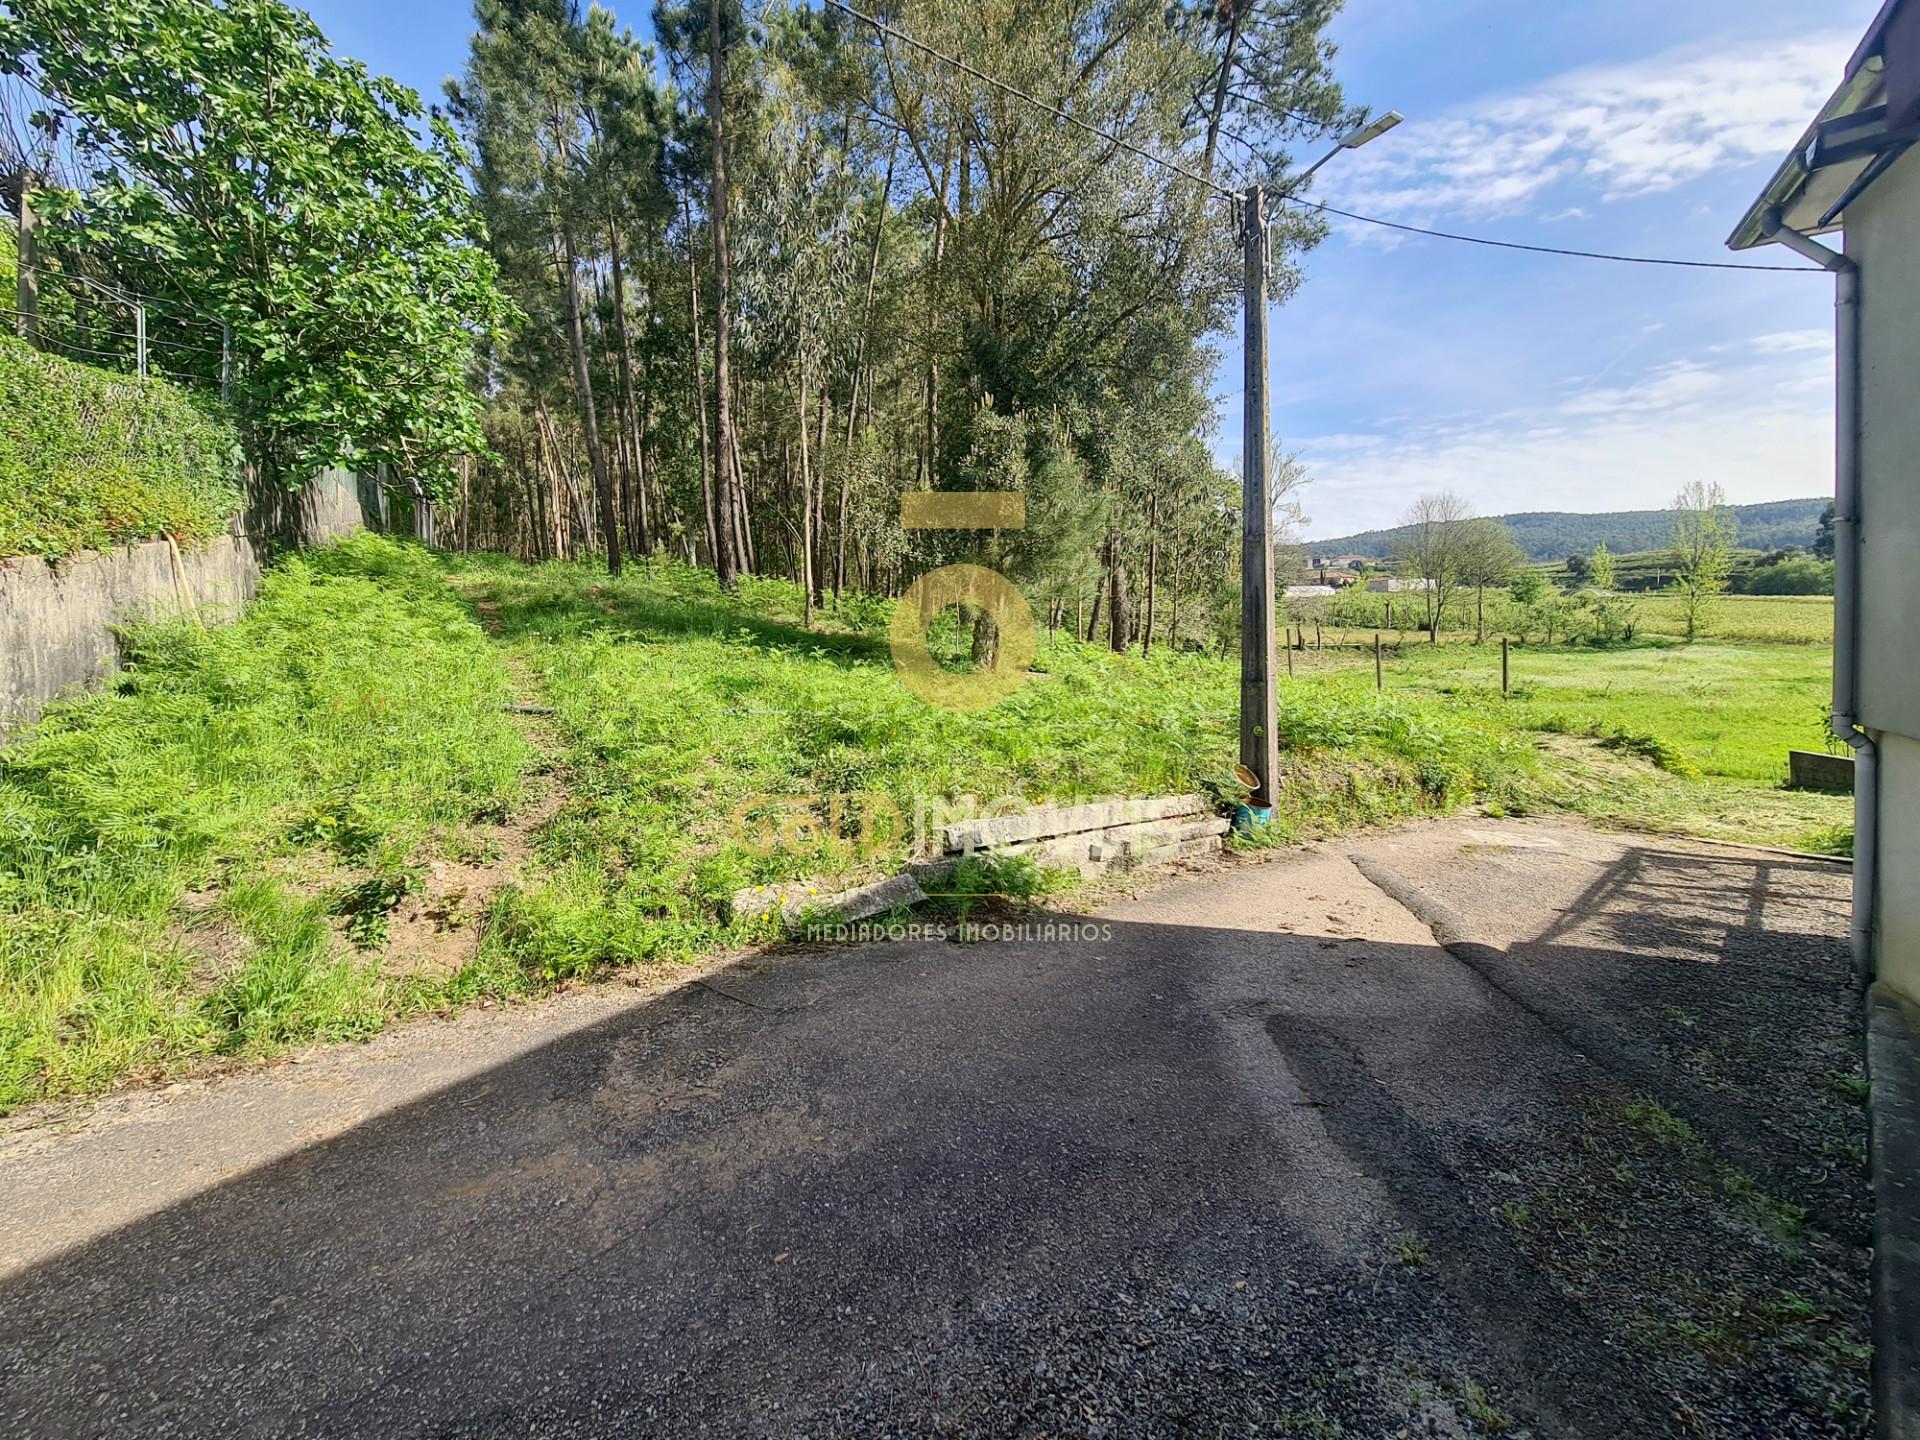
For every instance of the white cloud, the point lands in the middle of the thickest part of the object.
(1793, 342)
(1759, 426)
(1609, 132)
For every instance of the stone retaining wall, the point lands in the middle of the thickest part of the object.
(59, 618)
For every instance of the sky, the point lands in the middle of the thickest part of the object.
(1405, 366)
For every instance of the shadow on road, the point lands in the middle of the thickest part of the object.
(1172, 1180)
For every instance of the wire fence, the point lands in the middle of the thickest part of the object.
(185, 354)
(113, 328)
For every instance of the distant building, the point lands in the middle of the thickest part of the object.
(1394, 585)
(1309, 592)
(1353, 563)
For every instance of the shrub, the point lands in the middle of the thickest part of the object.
(1796, 575)
(90, 459)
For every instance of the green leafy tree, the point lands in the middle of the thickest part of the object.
(1600, 569)
(1704, 530)
(1488, 557)
(241, 173)
(1823, 534)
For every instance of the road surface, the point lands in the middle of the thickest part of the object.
(1475, 1127)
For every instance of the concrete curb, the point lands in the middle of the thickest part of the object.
(1093, 839)
(1893, 1128)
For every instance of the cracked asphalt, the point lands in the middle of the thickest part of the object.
(1474, 1127)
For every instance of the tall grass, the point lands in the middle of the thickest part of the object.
(199, 862)
(137, 822)
(713, 744)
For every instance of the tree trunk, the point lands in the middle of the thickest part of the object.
(637, 476)
(589, 411)
(748, 553)
(700, 395)
(1224, 84)
(819, 501)
(1118, 616)
(725, 442)
(933, 329)
(1153, 568)
(806, 511)
(859, 365)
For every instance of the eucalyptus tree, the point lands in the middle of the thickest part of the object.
(830, 267)
(527, 102)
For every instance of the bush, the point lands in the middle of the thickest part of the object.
(1798, 575)
(90, 459)
(349, 717)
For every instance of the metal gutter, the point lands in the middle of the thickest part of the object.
(1845, 721)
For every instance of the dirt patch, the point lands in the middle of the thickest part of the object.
(437, 928)
(215, 946)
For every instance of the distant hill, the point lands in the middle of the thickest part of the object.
(1556, 534)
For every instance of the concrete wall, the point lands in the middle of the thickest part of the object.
(1881, 229)
(1899, 891)
(57, 618)
(325, 508)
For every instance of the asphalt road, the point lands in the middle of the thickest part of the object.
(1260, 1156)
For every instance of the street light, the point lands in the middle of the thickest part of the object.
(1258, 708)
(1371, 131)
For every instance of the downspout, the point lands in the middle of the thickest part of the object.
(1846, 581)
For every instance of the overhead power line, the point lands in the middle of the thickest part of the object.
(1218, 189)
(1547, 249)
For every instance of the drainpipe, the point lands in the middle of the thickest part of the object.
(1846, 581)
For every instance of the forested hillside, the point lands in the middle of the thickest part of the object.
(1554, 535)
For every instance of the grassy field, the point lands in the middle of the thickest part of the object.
(1739, 619)
(329, 813)
(1761, 619)
(1714, 719)
(404, 780)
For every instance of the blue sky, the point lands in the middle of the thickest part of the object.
(1408, 365)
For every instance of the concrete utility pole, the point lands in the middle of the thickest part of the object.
(27, 321)
(1258, 712)
(1258, 717)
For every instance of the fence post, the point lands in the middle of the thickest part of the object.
(140, 340)
(1503, 665)
(1379, 671)
(1289, 652)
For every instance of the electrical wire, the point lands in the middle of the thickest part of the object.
(1112, 139)
(1546, 249)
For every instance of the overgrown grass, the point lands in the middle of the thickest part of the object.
(204, 861)
(714, 744)
(153, 839)
(90, 459)
(1714, 721)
